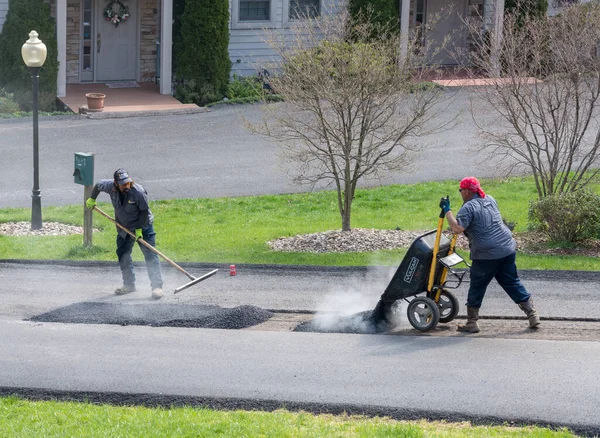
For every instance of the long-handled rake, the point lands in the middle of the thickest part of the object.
(194, 281)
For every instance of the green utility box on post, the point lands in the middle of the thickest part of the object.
(84, 175)
(84, 169)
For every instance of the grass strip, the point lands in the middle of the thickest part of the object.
(236, 230)
(22, 418)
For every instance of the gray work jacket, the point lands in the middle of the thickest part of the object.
(131, 208)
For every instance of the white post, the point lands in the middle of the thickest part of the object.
(61, 40)
(493, 22)
(404, 23)
(166, 46)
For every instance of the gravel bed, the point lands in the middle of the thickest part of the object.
(357, 240)
(48, 229)
(154, 315)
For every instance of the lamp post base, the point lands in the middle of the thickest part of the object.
(36, 211)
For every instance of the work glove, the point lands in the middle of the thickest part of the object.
(445, 205)
(90, 203)
(138, 233)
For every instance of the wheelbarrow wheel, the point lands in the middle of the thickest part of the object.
(448, 305)
(423, 313)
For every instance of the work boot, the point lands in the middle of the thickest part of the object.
(157, 293)
(471, 325)
(124, 290)
(527, 307)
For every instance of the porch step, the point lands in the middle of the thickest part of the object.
(114, 112)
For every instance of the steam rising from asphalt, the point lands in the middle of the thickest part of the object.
(349, 310)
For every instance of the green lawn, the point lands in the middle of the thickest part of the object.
(21, 419)
(236, 230)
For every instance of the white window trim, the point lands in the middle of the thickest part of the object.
(255, 24)
(286, 13)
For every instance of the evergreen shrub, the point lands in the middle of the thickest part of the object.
(383, 15)
(201, 53)
(23, 17)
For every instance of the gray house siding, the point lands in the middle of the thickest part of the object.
(3, 11)
(248, 50)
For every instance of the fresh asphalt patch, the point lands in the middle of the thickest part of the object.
(358, 323)
(256, 318)
(164, 315)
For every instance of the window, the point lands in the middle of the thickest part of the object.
(303, 8)
(87, 42)
(255, 10)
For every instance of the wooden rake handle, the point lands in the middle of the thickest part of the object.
(146, 244)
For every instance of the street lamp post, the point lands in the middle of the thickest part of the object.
(34, 56)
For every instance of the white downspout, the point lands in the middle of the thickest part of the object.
(404, 14)
(61, 42)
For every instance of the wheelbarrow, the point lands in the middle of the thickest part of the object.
(423, 278)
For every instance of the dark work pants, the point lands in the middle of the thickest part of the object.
(124, 249)
(504, 270)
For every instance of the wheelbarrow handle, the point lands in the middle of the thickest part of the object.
(146, 244)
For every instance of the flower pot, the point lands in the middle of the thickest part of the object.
(95, 101)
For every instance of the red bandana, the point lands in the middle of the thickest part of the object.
(472, 184)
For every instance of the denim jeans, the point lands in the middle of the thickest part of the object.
(504, 270)
(124, 249)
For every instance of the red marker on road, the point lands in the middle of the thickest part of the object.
(232, 270)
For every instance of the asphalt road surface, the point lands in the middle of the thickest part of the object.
(209, 154)
(456, 377)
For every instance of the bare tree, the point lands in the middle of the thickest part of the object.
(351, 106)
(545, 97)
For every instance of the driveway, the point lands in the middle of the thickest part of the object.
(198, 155)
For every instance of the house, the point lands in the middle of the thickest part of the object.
(249, 18)
(93, 46)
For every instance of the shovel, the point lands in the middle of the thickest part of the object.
(167, 259)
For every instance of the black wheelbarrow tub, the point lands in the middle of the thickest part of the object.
(412, 275)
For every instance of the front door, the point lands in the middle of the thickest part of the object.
(116, 46)
(446, 31)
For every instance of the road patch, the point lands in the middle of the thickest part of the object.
(164, 315)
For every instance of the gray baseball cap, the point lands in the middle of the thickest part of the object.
(122, 177)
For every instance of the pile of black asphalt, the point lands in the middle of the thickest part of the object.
(164, 315)
(357, 323)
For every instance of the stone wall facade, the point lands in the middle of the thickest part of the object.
(149, 30)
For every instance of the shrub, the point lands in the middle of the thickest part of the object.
(201, 51)
(241, 87)
(23, 17)
(567, 217)
(383, 15)
(526, 8)
(7, 103)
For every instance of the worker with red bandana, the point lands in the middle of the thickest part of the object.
(493, 252)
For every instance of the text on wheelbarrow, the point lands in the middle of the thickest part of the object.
(414, 262)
